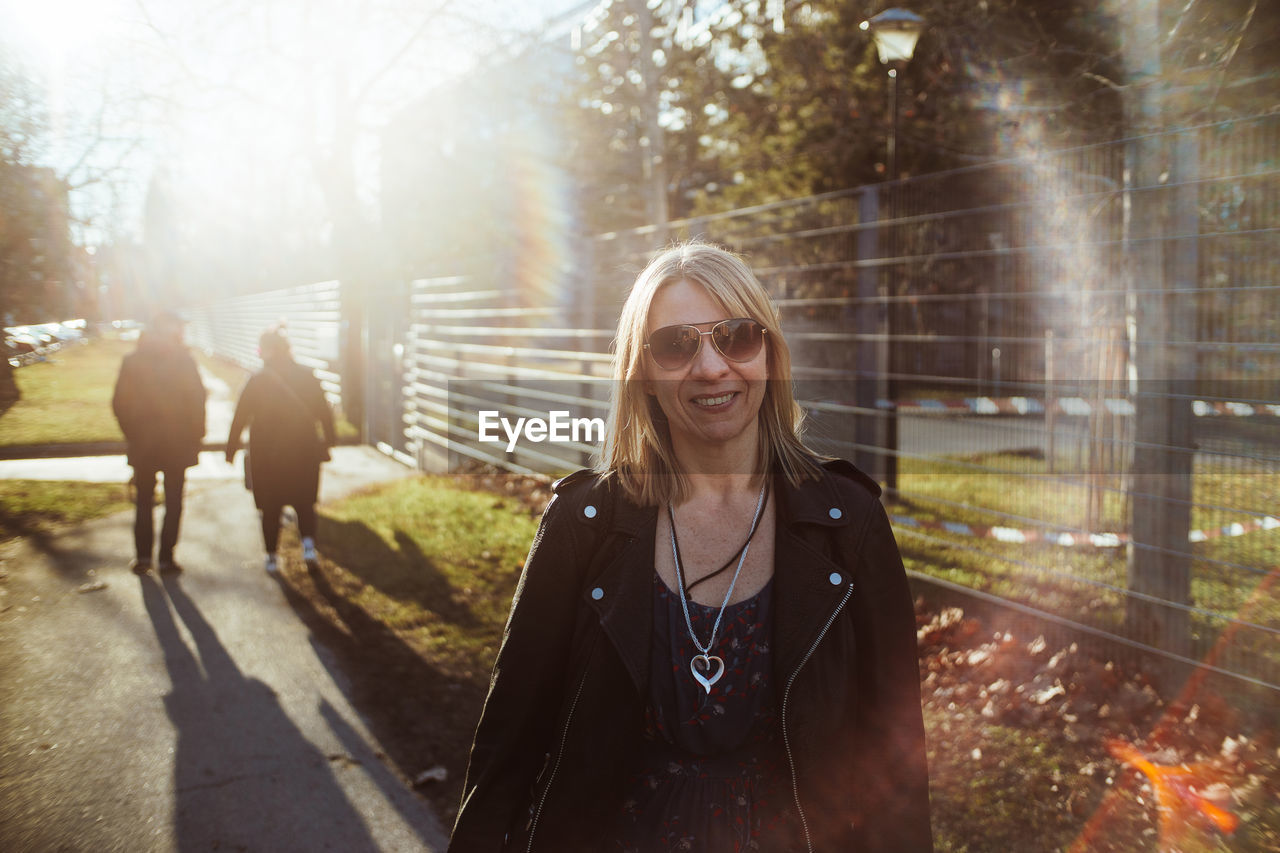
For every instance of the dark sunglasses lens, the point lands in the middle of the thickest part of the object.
(672, 346)
(738, 340)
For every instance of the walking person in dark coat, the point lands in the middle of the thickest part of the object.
(159, 403)
(290, 433)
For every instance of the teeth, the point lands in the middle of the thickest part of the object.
(713, 401)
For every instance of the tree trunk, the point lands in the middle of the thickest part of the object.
(9, 392)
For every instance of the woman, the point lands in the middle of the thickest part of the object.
(290, 433)
(712, 645)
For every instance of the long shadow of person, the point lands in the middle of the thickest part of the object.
(403, 571)
(245, 777)
(391, 683)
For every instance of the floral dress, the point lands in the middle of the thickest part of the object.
(714, 776)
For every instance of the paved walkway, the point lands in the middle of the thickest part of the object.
(190, 712)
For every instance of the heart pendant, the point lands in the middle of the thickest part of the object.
(707, 660)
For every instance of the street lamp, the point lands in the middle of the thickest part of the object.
(895, 32)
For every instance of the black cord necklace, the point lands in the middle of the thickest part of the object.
(728, 563)
(707, 668)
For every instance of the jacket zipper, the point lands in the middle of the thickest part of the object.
(564, 739)
(786, 737)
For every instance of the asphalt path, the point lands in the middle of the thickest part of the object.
(186, 712)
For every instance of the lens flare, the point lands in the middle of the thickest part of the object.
(1181, 801)
(540, 206)
(1178, 793)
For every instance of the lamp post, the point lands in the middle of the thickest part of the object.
(895, 32)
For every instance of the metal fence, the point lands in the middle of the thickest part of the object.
(1081, 347)
(310, 313)
(466, 356)
(1065, 367)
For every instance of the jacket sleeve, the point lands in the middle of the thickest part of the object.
(324, 412)
(193, 402)
(123, 399)
(526, 690)
(242, 417)
(892, 772)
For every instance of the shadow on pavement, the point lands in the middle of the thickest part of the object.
(421, 716)
(352, 545)
(245, 776)
(19, 525)
(392, 787)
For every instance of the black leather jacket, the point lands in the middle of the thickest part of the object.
(564, 713)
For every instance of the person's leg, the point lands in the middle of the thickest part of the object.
(174, 483)
(144, 481)
(305, 507)
(271, 532)
(306, 520)
(307, 529)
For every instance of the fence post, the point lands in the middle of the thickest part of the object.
(351, 349)
(1159, 563)
(871, 323)
(1050, 407)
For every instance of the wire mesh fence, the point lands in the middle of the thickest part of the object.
(1064, 366)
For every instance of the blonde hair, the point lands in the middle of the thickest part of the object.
(637, 447)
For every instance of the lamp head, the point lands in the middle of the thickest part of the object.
(895, 32)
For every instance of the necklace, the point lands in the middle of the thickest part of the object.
(712, 665)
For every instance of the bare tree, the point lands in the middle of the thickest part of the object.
(301, 92)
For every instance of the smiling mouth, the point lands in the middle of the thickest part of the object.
(718, 400)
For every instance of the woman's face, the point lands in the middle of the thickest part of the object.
(710, 402)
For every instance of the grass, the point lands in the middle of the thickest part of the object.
(414, 587)
(39, 508)
(1082, 581)
(67, 400)
(1011, 777)
(434, 562)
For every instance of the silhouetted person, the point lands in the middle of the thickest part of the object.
(290, 433)
(159, 403)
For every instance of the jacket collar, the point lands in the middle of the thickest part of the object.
(811, 502)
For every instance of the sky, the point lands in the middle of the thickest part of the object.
(226, 101)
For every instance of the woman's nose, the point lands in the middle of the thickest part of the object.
(708, 363)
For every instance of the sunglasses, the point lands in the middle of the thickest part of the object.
(675, 346)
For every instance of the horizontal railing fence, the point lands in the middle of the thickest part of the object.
(311, 315)
(470, 363)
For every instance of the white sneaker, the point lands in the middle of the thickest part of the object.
(271, 564)
(308, 550)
